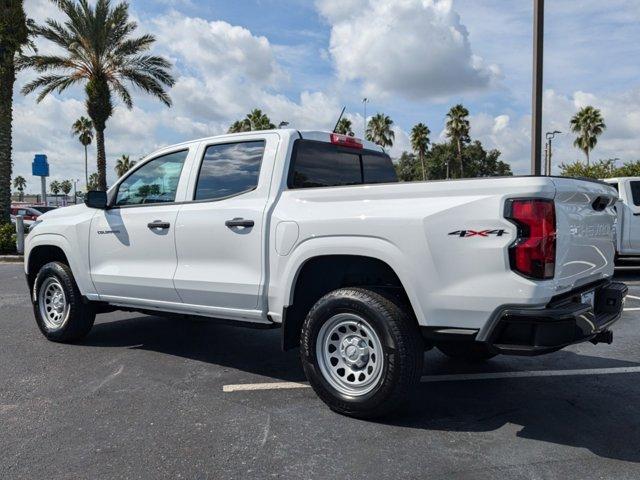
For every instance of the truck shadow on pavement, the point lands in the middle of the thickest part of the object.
(256, 351)
(598, 413)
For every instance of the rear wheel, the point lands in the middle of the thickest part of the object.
(61, 313)
(467, 351)
(361, 352)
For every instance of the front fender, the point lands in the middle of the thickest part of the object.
(79, 266)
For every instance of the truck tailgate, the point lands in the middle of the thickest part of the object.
(584, 225)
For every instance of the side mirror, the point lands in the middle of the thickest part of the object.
(96, 199)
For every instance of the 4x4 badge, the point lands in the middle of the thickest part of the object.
(477, 233)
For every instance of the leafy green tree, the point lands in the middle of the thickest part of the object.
(379, 130)
(99, 52)
(479, 162)
(599, 169)
(588, 124)
(83, 129)
(628, 169)
(14, 37)
(408, 168)
(123, 165)
(344, 127)
(458, 127)
(420, 143)
(20, 183)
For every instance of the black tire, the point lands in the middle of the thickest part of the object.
(80, 317)
(402, 350)
(466, 351)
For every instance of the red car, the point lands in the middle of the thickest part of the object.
(29, 213)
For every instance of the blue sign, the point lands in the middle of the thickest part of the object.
(40, 166)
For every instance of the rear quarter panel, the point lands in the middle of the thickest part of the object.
(451, 280)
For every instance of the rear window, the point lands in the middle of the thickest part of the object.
(635, 192)
(321, 164)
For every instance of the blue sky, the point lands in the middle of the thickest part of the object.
(301, 61)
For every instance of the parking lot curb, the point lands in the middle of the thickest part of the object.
(11, 259)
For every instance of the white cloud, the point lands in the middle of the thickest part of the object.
(415, 48)
(621, 112)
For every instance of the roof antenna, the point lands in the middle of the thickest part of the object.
(339, 118)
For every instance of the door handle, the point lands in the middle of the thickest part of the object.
(158, 224)
(239, 222)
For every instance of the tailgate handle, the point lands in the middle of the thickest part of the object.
(600, 203)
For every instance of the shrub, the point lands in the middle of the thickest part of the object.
(7, 238)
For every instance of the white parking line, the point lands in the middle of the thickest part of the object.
(633, 296)
(263, 386)
(451, 378)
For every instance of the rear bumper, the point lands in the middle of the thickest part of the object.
(565, 320)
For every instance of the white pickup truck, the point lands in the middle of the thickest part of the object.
(627, 228)
(310, 232)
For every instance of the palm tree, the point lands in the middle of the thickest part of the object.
(83, 129)
(458, 131)
(123, 165)
(14, 37)
(20, 183)
(589, 125)
(66, 187)
(255, 120)
(93, 182)
(101, 54)
(344, 127)
(240, 126)
(55, 187)
(420, 142)
(379, 130)
(259, 120)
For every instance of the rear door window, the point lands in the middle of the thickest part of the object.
(321, 164)
(635, 192)
(229, 169)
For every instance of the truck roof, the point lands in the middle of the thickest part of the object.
(317, 135)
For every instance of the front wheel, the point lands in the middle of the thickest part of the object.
(361, 352)
(60, 312)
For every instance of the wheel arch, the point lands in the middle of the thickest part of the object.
(317, 275)
(47, 248)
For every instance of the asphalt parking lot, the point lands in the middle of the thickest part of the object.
(144, 397)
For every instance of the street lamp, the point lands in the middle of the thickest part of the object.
(547, 151)
(365, 100)
(283, 124)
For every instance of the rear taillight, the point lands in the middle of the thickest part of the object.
(346, 141)
(533, 254)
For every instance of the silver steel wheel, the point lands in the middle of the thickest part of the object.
(52, 302)
(349, 354)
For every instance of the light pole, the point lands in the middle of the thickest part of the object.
(365, 100)
(547, 151)
(536, 101)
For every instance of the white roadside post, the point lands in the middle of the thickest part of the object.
(20, 234)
